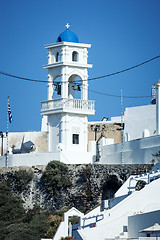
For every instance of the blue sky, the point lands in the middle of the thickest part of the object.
(123, 33)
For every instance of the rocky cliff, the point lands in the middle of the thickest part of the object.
(87, 184)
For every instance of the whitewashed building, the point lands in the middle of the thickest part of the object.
(140, 122)
(141, 137)
(65, 127)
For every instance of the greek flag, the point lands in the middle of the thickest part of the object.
(9, 112)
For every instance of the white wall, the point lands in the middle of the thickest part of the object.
(134, 152)
(76, 157)
(76, 124)
(137, 119)
(117, 119)
(139, 222)
(54, 136)
(29, 159)
(44, 124)
(32, 159)
(39, 139)
(61, 128)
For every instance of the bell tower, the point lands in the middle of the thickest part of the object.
(67, 75)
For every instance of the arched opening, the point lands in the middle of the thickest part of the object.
(75, 56)
(73, 216)
(57, 57)
(57, 87)
(74, 87)
(59, 39)
(110, 187)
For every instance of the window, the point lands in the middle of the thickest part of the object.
(57, 57)
(59, 39)
(75, 56)
(75, 138)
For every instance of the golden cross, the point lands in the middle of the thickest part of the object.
(67, 25)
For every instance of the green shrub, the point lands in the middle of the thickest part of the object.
(15, 223)
(60, 211)
(11, 207)
(86, 172)
(55, 177)
(54, 221)
(19, 180)
(34, 230)
(74, 220)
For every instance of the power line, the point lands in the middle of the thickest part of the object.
(100, 93)
(124, 70)
(23, 78)
(118, 96)
(89, 79)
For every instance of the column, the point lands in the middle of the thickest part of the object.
(64, 84)
(84, 88)
(50, 88)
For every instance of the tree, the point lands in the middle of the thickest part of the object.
(55, 177)
(15, 223)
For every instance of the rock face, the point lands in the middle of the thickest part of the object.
(89, 184)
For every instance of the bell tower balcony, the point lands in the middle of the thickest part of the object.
(86, 107)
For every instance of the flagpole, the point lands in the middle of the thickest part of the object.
(7, 133)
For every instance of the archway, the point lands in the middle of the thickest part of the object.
(74, 87)
(57, 87)
(73, 212)
(110, 187)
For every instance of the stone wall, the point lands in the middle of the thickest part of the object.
(89, 185)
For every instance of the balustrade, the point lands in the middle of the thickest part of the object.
(67, 104)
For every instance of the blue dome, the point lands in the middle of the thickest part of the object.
(67, 36)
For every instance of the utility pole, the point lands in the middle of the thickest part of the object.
(122, 125)
(1, 134)
(95, 130)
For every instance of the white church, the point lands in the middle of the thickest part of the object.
(64, 135)
(67, 117)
